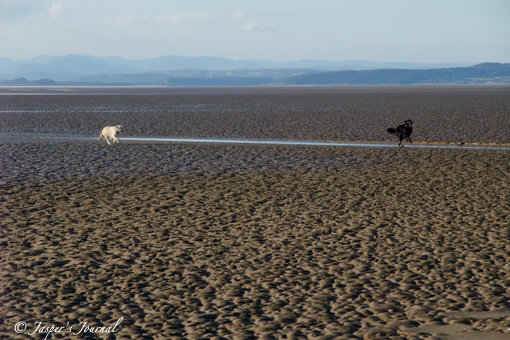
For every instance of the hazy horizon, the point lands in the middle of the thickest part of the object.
(422, 31)
(212, 56)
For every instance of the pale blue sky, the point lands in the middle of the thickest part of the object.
(277, 30)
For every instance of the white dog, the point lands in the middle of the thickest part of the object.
(111, 132)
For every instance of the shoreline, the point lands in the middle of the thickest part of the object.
(31, 138)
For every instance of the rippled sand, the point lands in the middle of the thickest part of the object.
(255, 241)
(205, 241)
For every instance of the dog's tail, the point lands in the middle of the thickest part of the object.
(100, 137)
(391, 130)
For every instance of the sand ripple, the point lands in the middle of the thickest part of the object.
(243, 242)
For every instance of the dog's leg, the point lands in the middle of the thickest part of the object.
(400, 139)
(107, 141)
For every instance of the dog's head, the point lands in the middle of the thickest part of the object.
(408, 123)
(119, 128)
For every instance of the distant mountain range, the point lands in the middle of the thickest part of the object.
(213, 71)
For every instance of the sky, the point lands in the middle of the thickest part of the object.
(425, 31)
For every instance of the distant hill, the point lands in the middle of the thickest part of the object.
(212, 71)
(244, 76)
(26, 82)
(67, 68)
(481, 73)
(73, 67)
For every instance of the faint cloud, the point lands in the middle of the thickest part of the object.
(175, 19)
(6, 4)
(238, 14)
(56, 10)
(190, 17)
(11, 10)
(255, 26)
(125, 20)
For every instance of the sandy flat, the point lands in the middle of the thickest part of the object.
(451, 115)
(256, 241)
(202, 241)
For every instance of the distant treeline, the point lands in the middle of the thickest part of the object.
(481, 73)
(221, 81)
(485, 73)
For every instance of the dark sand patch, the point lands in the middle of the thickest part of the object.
(208, 241)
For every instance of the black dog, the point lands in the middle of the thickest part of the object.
(403, 131)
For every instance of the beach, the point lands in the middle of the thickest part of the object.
(220, 241)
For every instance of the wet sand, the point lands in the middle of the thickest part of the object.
(202, 241)
(440, 115)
